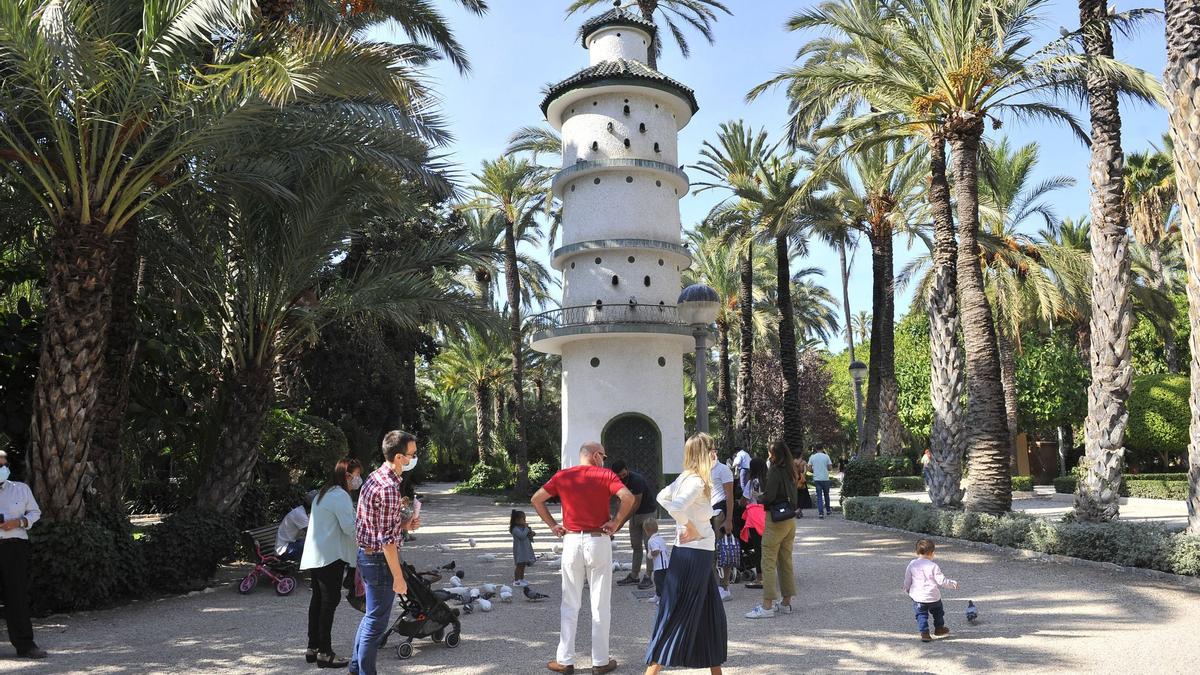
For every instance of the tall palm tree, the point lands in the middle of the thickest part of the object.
(862, 326)
(513, 190)
(89, 75)
(475, 362)
(486, 229)
(1150, 203)
(816, 308)
(699, 14)
(1182, 82)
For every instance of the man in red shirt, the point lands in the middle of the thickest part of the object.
(586, 531)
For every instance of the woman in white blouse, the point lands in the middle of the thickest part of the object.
(690, 629)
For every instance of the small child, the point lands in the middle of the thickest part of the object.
(659, 554)
(522, 536)
(922, 580)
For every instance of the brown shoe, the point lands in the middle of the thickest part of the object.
(925, 636)
(940, 632)
(560, 668)
(611, 666)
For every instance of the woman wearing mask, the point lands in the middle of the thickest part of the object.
(328, 549)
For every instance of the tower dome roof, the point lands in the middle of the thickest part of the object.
(615, 17)
(620, 71)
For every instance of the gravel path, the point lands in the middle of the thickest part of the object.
(1033, 616)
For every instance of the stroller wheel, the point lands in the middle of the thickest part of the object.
(404, 650)
(285, 585)
(248, 583)
(438, 635)
(452, 639)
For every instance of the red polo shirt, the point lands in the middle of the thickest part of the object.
(584, 491)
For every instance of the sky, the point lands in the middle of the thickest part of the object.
(520, 46)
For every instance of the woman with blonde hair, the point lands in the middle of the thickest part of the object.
(690, 628)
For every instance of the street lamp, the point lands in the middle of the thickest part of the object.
(698, 307)
(858, 371)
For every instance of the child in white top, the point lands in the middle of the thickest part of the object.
(659, 553)
(922, 581)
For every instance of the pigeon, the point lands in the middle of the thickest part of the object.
(485, 605)
(487, 595)
(471, 541)
(488, 588)
(442, 595)
(487, 557)
(972, 612)
(460, 593)
(455, 582)
(533, 596)
(505, 596)
(474, 593)
(461, 574)
(449, 566)
(557, 549)
(441, 548)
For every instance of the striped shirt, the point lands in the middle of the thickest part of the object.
(379, 518)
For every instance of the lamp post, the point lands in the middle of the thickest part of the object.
(698, 307)
(858, 372)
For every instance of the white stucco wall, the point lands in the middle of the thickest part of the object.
(646, 208)
(589, 122)
(628, 380)
(587, 281)
(618, 42)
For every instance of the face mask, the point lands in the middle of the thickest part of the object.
(355, 482)
(3, 473)
(411, 465)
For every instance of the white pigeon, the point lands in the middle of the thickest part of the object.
(506, 589)
(487, 557)
(557, 549)
(488, 588)
(628, 566)
(463, 594)
(506, 596)
(474, 593)
(485, 605)
(471, 541)
(455, 582)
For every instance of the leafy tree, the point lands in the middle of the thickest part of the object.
(1158, 415)
(1051, 383)
(913, 367)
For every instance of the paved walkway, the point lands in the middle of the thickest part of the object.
(1033, 617)
(1044, 502)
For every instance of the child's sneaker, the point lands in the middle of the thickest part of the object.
(781, 608)
(941, 632)
(760, 613)
(726, 596)
(925, 636)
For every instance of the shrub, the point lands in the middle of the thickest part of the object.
(75, 566)
(485, 480)
(156, 496)
(183, 551)
(130, 563)
(540, 472)
(306, 446)
(862, 478)
(1158, 418)
(1065, 484)
(1120, 543)
(1157, 489)
(902, 484)
(1174, 477)
(895, 466)
(1022, 483)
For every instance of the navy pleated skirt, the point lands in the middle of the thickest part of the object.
(690, 629)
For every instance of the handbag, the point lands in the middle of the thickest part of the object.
(729, 552)
(781, 511)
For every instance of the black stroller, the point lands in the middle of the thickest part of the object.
(422, 615)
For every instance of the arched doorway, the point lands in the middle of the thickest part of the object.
(635, 439)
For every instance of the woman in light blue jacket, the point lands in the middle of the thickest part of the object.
(328, 549)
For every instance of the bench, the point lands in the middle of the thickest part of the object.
(260, 547)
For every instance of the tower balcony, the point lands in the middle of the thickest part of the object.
(588, 168)
(548, 331)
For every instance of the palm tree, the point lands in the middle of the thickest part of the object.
(862, 326)
(513, 190)
(713, 265)
(1150, 196)
(486, 230)
(1182, 84)
(816, 308)
(699, 14)
(475, 362)
(90, 76)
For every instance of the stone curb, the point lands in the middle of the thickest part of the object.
(1185, 582)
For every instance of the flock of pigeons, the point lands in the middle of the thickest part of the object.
(481, 597)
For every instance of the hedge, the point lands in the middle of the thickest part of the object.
(1144, 485)
(1121, 543)
(1022, 483)
(183, 551)
(917, 484)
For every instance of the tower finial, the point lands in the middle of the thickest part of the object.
(616, 3)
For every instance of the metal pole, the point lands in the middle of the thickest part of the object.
(701, 334)
(858, 409)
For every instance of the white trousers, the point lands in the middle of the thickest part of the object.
(590, 558)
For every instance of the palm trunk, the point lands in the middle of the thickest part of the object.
(107, 454)
(793, 420)
(891, 440)
(1008, 377)
(250, 395)
(1182, 83)
(946, 381)
(1097, 495)
(845, 271)
(724, 387)
(512, 280)
(499, 401)
(867, 445)
(483, 420)
(745, 380)
(987, 427)
(70, 366)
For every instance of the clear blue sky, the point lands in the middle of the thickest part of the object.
(522, 45)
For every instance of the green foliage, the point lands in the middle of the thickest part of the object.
(841, 389)
(540, 471)
(183, 551)
(1146, 342)
(1121, 543)
(1174, 477)
(1022, 483)
(1157, 489)
(862, 478)
(20, 337)
(913, 374)
(1158, 419)
(130, 561)
(486, 479)
(156, 496)
(306, 446)
(1065, 485)
(895, 466)
(75, 566)
(902, 484)
(1052, 382)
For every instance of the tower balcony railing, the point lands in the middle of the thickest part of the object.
(589, 315)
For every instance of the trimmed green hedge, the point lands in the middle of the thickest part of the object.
(862, 478)
(1144, 485)
(1120, 543)
(917, 484)
(1065, 484)
(1022, 483)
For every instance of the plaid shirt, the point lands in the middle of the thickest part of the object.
(379, 519)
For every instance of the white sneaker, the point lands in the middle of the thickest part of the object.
(653, 601)
(520, 582)
(760, 613)
(782, 608)
(726, 596)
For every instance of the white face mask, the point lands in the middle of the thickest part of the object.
(3, 473)
(355, 482)
(412, 464)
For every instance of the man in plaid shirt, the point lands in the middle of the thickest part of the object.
(382, 513)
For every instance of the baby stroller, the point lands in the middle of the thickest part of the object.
(260, 544)
(422, 615)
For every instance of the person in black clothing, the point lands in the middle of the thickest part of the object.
(645, 508)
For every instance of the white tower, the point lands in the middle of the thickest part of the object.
(619, 334)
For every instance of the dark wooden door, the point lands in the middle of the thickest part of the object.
(636, 440)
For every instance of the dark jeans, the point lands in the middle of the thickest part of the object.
(14, 578)
(326, 593)
(659, 577)
(752, 552)
(293, 552)
(924, 609)
(377, 579)
(824, 505)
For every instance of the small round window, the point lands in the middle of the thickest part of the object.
(595, 362)
(628, 179)
(572, 265)
(646, 281)
(660, 262)
(598, 261)
(596, 181)
(630, 258)
(662, 361)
